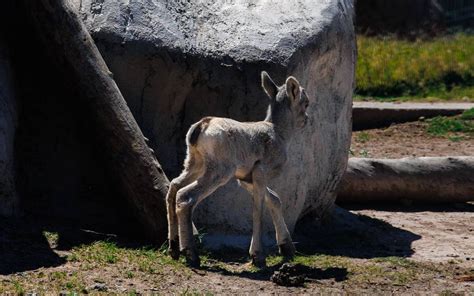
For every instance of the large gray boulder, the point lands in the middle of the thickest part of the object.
(177, 61)
(8, 122)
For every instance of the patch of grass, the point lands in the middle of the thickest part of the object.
(51, 237)
(468, 114)
(363, 137)
(456, 138)
(364, 153)
(129, 274)
(395, 261)
(446, 126)
(101, 252)
(146, 260)
(194, 292)
(439, 68)
(19, 290)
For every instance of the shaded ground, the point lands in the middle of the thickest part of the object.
(386, 250)
(409, 139)
(446, 231)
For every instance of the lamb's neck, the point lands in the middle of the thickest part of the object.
(281, 123)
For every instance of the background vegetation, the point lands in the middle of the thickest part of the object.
(439, 68)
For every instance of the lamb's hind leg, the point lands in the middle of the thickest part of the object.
(187, 199)
(193, 169)
(283, 237)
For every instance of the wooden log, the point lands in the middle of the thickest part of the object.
(142, 179)
(423, 179)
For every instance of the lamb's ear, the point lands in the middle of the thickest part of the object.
(292, 88)
(268, 85)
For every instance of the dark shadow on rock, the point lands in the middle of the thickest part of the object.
(353, 235)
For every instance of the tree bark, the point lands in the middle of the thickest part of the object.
(142, 179)
(424, 179)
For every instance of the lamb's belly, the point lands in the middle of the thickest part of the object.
(244, 173)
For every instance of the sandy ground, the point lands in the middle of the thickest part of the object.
(405, 140)
(446, 232)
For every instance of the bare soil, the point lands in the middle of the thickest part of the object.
(408, 140)
(446, 232)
(397, 250)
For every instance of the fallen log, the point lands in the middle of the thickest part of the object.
(423, 179)
(141, 177)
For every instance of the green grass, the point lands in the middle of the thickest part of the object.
(468, 114)
(363, 137)
(151, 265)
(51, 237)
(102, 253)
(435, 69)
(455, 128)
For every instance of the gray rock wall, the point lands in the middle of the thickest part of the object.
(176, 62)
(8, 122)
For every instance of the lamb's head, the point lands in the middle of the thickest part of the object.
(288, 102)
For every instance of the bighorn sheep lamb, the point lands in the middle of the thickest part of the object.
(219, 149)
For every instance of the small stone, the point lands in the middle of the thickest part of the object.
(99, 287)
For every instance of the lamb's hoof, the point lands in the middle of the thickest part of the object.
(192, 259)
(173, 249)
(287, 249)
(258, 261)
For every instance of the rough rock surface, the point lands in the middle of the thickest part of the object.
(8, 122)
(177, 61)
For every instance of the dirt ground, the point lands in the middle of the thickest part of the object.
(371, 250)
(446, 232)
(398, 250)
(407, 140)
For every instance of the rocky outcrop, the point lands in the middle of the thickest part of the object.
(8, 122)
(177, 61)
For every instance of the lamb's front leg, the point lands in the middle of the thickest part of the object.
(256, 248)
(283, 237)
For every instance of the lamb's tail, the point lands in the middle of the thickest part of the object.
(195, 130)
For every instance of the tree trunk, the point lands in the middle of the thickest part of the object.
(424, 179)
(138, 171)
